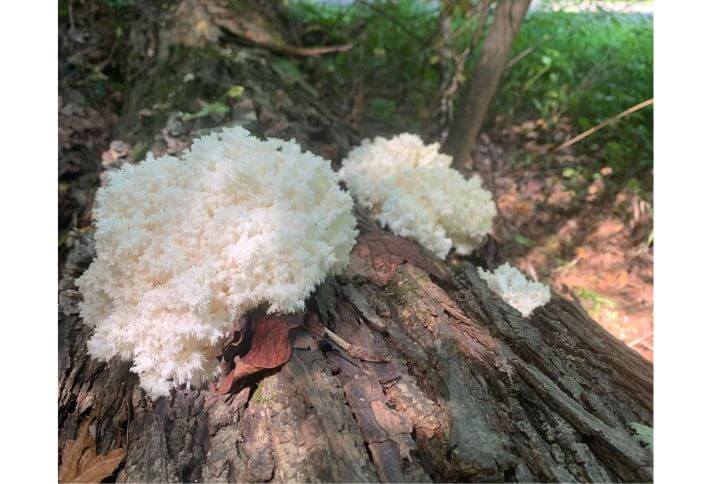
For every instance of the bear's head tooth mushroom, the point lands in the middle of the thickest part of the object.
(411, 189)
(511, 285)
(187, 245)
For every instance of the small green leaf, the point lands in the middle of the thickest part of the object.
(595, 297)
(235, 92)
(291, 74)
(568, 172)
(207, 110)
(524, 241)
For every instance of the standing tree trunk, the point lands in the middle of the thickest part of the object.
(471, 391)
(478, 92)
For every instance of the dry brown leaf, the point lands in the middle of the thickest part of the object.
(270, 347)
(80, 463)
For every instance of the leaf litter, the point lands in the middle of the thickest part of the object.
(81, 463)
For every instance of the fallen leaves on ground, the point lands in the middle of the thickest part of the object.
(80, 463)
(593, 245)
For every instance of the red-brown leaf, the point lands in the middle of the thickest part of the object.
(270, 348)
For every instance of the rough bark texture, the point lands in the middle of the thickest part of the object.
(472, 391)
(478, 92)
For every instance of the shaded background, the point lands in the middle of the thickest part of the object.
(579, 219)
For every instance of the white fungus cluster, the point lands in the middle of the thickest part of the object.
(185, 246)
(410, 188)
(510, 284)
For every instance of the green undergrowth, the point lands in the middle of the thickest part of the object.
(584, 69)
(581, 69)
(390, 66)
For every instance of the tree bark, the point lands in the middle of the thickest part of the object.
(479, 90)
(471, 391)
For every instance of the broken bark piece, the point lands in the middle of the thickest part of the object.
(363, 306)
(321, 331)
(378, 254)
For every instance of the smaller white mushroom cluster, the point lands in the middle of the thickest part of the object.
(510, 284)
(185, 246)
(411, 189)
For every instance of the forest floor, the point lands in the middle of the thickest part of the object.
(593, 243)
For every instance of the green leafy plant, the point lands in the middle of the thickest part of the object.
(390, 61)
(581, 69)
(595, 300)
(573, 70)
(207, 110)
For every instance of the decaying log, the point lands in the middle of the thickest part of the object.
(469, 390)
(472, 390)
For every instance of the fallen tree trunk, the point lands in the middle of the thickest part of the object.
(471, 391)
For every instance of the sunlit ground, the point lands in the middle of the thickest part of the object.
(596, 250)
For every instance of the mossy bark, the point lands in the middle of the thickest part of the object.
(472, 390)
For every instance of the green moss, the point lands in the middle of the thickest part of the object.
(403, 291)
(259, 397)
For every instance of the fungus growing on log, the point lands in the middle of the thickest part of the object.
(187, 245)
(510, 284)
(411, 189)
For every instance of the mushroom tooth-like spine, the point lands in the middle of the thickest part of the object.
(186, 245)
